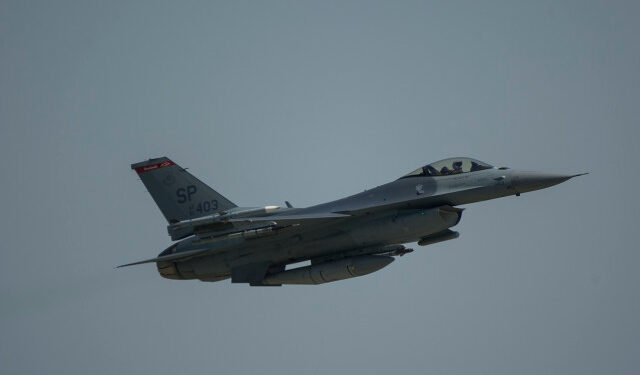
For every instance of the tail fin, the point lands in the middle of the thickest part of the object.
(178, 194)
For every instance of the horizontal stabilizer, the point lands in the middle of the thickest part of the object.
(169, 258)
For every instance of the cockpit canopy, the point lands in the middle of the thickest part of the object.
(449, 166)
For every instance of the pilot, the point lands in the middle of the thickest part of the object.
(445, 171)
(431, 171)
(457, 167)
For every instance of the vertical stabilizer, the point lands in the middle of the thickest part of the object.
(178, 194)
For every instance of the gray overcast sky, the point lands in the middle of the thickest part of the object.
(308, 102)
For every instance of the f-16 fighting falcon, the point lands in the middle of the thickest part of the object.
(345, 238)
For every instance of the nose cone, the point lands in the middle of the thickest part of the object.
(530, 181)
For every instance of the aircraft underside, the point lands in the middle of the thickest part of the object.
(339, 251)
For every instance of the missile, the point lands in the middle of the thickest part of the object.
(222, 216)
(247, 234)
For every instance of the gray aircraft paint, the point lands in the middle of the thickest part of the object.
(178, 194)
(310, 102)
(254, 245)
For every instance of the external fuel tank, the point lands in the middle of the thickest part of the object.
(330, 271)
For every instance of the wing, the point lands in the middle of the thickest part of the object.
(243, 227)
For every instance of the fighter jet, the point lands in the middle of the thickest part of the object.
(342, 239)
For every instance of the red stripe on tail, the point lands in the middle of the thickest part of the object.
(152, 167)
